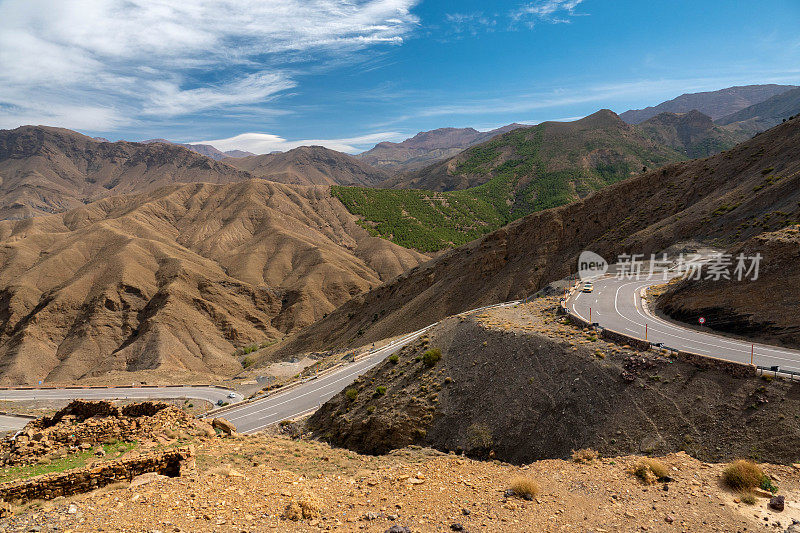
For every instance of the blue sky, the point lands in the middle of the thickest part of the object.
(265, 75)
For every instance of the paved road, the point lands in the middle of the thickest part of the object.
(12, 423)
(617, 304)
(253, 416)
(211, 394)
(307, 397)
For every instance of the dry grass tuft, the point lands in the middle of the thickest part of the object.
(742, 475)
(748, 498)
(650, 470)
(306, 507)
(585, 456)
(524, 487)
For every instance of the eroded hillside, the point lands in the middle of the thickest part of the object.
(170, 283)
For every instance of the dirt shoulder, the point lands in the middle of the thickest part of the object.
(246, 484)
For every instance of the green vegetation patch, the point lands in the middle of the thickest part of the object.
(429, 221)
(72, 460)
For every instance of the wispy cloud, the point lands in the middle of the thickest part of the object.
(116, 61)
(470, 23)
(264, 143)
(551, 11)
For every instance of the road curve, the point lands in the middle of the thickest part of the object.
(210, 394)
(617, 304)
(306, 398)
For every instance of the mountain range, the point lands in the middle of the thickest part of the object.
(48, 170)
(202, 149)
(525, 170)
(716, 104)
(311, 165)
(428, 146)
(724, 199)
(166, 285)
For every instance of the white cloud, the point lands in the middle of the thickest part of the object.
(121, 59)
(552, 11)
(264, 143)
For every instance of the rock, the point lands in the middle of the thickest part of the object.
(72, 509)
(669, 519)
(776, 503)
(415, 481)
(398, 529)
(144, 479)
(456, 527)
(100, 452)
(465, 511)
(369, 515)
(223, 425)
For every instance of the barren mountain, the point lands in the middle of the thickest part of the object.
(764, 308)
(47, 170)
(311, 165)
(168, 284)
(715, 104)
(726, 198)
(766, 114)
(692, 134)
(427, 147)
(204, 149)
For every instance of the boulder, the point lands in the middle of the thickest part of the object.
(223, 425)
(776, 503)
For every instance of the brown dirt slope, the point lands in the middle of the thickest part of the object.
(249, 484)
(726, 198)
(311, 165)
(173, 281)
(47, 170)
(764, 309)
(518, 385)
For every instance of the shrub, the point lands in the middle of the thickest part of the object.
(479, 436)
(247, 362)
(650, 470)
(585, 456)
(394, 358)
(351, 394)
(524, 487)
(380, 391)
(432, 356)
(743, 475)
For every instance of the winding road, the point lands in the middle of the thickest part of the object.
(617, 304)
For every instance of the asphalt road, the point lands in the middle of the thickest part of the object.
(307, 397)
(617, 304)
(12, 423)
(210, 394)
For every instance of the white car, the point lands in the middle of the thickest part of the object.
(231, 395)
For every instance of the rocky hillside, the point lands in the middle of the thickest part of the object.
(311, 165)
(715, 104)
(726, 198)
(168, 284)
(427, 147)
(519, 385)
(766, 114)
(692, 134)
(47, 170)
(763, 309)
